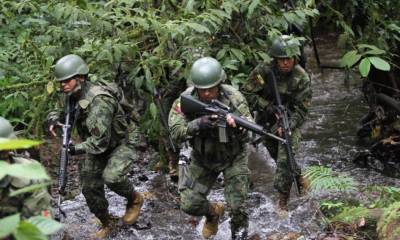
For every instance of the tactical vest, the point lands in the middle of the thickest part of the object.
(206, 144)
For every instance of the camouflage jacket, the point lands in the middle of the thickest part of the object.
(28, 204)
(99, 119)
(294, 89)
(206, 143)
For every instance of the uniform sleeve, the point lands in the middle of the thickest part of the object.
(98, 122)
(177, 122)
(301, 101)
(253, 89)
(242, 108)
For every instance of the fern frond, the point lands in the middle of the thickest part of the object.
(323, 178)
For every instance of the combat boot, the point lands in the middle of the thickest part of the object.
(211, 225)
(133, 209)
(109, 225)
(305, 185)
(283, 209)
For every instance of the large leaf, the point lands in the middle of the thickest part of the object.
(364, 67)
(46, 225)
(28, 231)
(238, 54)
(33, 170)
(198, 27)
(189, 6)
(253, 5)
(8, 225)
(11, 144)
(30, 188)
(350, 58)
(153, 111)
(3, 168)
(379, 63)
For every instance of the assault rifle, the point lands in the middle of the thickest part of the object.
(163, 118)
(283, 122)
(64, 155)
(190, 105)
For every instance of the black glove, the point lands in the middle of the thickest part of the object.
(207, 121)
(271, 110)
(73, 151)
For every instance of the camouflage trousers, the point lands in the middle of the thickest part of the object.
(199, 180)
(110, 168)
(283, 179)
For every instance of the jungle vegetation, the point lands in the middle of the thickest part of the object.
(150, 44)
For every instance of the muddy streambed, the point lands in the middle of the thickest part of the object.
(328, 139)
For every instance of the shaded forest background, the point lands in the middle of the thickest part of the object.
(150, 44)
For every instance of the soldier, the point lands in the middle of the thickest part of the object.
(294, 88)
(28, 204)
(107, 140)
(210, 156)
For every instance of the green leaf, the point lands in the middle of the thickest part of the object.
(198, 28)
(367, 46)
(28, 231)
(379, 63)
(8, 225)
(189, 6)
(252, 6)
(30, 188)
(221, 53)
(11, 144)
(350, 58)
(153, 111)
(238, 54)
(46, 225)
(364, 67)
(32, 170)
(375, 52)
(3, 168)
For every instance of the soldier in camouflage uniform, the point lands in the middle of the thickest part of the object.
(107, 140)
(210, 157)
(28, 204)
(293, 85)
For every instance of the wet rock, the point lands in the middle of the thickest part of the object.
(285, 236)
(143, 178)
(255, 236)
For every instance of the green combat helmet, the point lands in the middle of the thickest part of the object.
(6, 130)
(69, 66)
(206, 73)
(284, 47)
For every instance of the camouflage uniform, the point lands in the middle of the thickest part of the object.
(28, 204)
(295, 92)
(109, 142)
(210, 157)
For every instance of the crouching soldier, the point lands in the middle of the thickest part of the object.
(107, 140)
(29, 204)
(210, 155)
